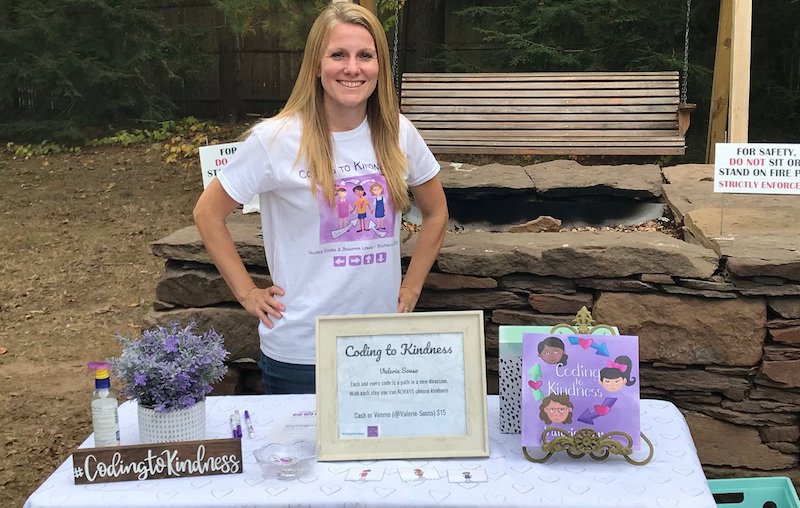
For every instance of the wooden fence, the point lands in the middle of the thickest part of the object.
(243, 75)
(253, 74)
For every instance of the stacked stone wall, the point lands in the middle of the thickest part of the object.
(724, 349)
(717, 312)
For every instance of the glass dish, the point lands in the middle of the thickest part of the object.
(286, 461)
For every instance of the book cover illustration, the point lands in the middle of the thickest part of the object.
(579, 381)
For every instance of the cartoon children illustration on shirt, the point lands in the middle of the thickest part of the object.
(342, 209)
(551, 351)
(617, 374)
(360, 206)
(376, 190)
(349, 216)
(556, 409)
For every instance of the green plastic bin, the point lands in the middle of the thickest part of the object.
(769, 492)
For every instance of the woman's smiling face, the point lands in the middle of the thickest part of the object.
(348, 70)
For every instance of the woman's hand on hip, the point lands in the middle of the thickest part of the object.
(262, 303)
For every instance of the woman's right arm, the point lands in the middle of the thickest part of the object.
(213, 206)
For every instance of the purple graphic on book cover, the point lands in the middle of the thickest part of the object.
(575, 381)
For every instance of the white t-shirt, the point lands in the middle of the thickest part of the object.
(335, 260)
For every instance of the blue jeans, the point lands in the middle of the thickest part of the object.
(283, 378)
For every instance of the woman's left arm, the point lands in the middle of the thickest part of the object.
(430, 199)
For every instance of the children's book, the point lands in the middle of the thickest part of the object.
(579, 381)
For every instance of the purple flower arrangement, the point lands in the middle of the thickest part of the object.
(170, 367)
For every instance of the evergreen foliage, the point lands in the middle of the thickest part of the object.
(77, 69)
(290, 20)
(621, 35)
(775, 71)
(583, 35)
(68, 66)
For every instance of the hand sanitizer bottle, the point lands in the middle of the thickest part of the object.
(105, 418)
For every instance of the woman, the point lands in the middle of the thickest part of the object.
(340, 128)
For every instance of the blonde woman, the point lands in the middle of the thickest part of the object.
(340, 128)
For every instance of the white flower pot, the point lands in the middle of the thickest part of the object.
(177, 425)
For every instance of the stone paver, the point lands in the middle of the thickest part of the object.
(758, 234)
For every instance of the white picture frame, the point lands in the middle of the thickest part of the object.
(398, 386)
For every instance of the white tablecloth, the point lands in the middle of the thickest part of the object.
(674, 478)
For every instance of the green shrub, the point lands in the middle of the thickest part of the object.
(69, 67)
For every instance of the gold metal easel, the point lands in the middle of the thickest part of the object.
(584, 324)
(587, 441)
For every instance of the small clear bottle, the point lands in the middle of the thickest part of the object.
(105, 417)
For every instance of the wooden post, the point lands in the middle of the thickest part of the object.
(730, 98)
(739, 108)
(718, 112)
(369, 4)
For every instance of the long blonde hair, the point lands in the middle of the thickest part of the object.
(383, 113)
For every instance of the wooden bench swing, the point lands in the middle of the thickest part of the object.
(557, 113)
(550, 113)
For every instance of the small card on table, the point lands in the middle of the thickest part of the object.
(477, 475)
(411, 474)
(365, 474)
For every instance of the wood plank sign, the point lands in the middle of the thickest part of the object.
(156, 461)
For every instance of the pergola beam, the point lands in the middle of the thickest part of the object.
(739, 106)
(720, 88)
(730, 98)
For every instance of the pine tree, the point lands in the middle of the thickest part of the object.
(69, 65)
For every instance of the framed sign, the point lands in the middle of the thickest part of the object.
(401, 386)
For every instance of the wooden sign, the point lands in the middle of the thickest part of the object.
(156, 461)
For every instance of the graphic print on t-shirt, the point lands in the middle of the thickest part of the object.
(362, 210)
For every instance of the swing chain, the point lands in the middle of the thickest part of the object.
(395, 73)
(685, 81)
